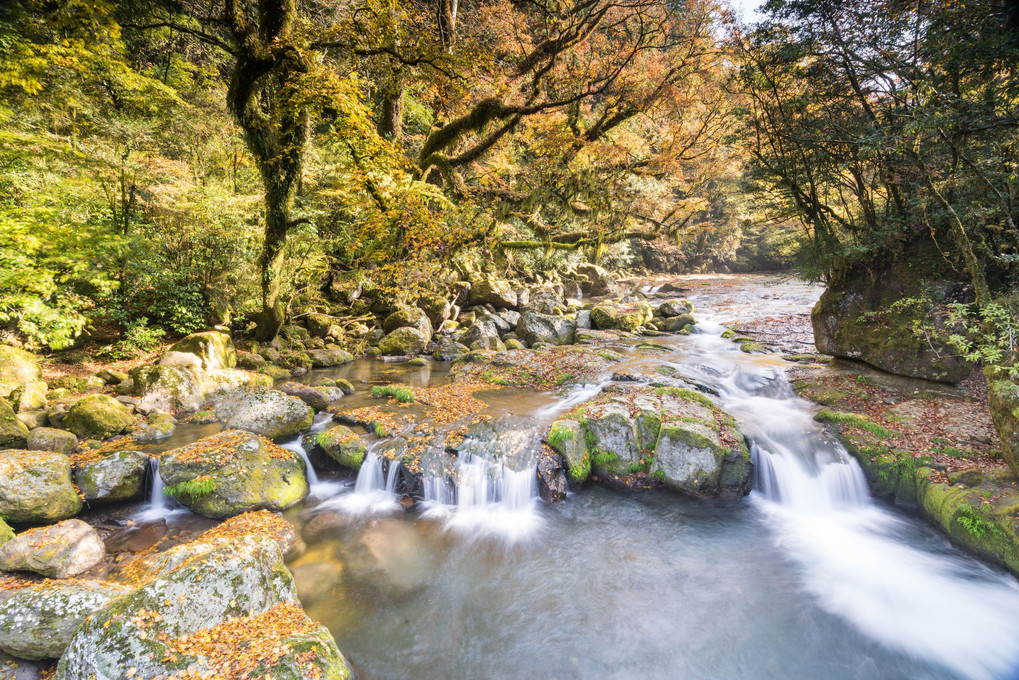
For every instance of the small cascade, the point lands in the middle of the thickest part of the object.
(577, 395)
(316, 487)
(372, 493)
(160, 506)
(392, 477)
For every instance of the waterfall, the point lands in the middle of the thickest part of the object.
(373, 493)
(160, 506)
(316, 487)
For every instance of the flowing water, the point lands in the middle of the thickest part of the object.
(806, 578)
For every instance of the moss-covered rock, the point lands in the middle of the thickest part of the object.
(13, 432)
(854, 319)
(159, 427)
(119, 476)
(339, 443)
(404, 341)
(173, 389)
(17, 367)
(567, 438)
(29, 397)
(52, 439)
(264, 411)
(35, 486)
(274, 372)
(97, 416)
(309, 395)
(676, 308)
(628, 317)
(57, 551)
(489, 290)
(233, 472)
(111, 376)
(6, 532)
(40, 620)
(214, 349)
(217, 382)
(327, 358)
(408, 317)
(218, 605)
(534, 327)
(1003, 402)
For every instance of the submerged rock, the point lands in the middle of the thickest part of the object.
(58, 551)
(264, 411)
(119, 476)
(41, 619)
(233, 472)
(35, 486)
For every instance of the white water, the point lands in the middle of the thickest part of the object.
(316, 487)
(160, 506)
(372, 493)
(855, 557)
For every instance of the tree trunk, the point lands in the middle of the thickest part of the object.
(391, 120)
(277, 220)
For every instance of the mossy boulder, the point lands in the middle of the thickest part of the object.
(173, 389)
(13, 432)
(671, 308)
(567, 438)
(233, 472)
(215, 609)
(534, 327)
(217, 382)
(35, 486)
(97, 416)
(306, 393)
(6, 532)
(30, 397)
(1003, 403)
(264, 411)
(52, 439)
(119, 476)
(628, 317)
(408, 317)
(319, 325)
(403, 341)
(112, 376)
(214, 349)
(855, 319)
(339, 443)
(436, 307)
(17, 367)
(674, 324)
(57, 551)
(159, 427)
(327, 358)
(489, 290)
(40, 620)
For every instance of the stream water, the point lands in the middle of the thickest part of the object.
(806, 578)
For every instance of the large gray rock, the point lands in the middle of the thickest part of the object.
(448, 350)
(264, 411)
(408, 317)
(535, 327)
(52, 439)
(543, 302)
(493, 291)
(168, 388)
(855, 320)
(35, 486)
(119, 476)
(482, 330)
(97, 416)
(325, 358)
(339, 443)
(239, 471)
(17, 367)
(13, 432)
(236, 593)
(671, 308)
(159, 427)
(41, 619)
(306, 393)
(621, 316)
(57, 551)
(214, 349)
(404, 341)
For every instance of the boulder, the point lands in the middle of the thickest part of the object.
(855, 320)
(57, 551)
(628, 317)
(17, 367)
(309, 395)
(35, 486)
(671, 308)
(264, 411)
(489, 343)
(237, 471)
(1003, 403)
(217, 382)
(119, 476)
(216, 608)
(403, 342)
(30, 397)
(160, 426)
(493, 291)
(677, 323)
(438, 308)
(566, 437)
(173, 389)
(584, 319)
(42, 618)
(543, 302)
(250, 361)
(449, 350)
(13, 433)
(319, 325)
(604, 286)
(214, 349)
(537, 327)
(483, 329)
(111, 376)
(326, 358)
(339, 443)
(408, 317)
(97, 416)
(182, 359)
(6, 532)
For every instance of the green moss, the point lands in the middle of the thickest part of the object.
(192, 489)
(853, 420)
(751, 347)
(688, 395)
(563, 379)
(418, 361)
(559, 435)
(605, 459)
(401, 394)
(728, 334)
(380, 430)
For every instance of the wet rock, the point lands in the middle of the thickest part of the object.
(566, 437)
(537, 327)
(339, 443)
(404, 341)
(97, 416)
(172, 389)
(552, 483)
(119, 476)
(449, 350)
(621, 316)
(58, 551)
(264, 411)
(492, 291)
(214, 349)
(13, 432)
(17, 367)
(671, 308)
(237, 472)
(345, 386)
(41, 619)
(677, 323)
(309, 395)
(237, 591)
(160, 426)
(390, 557)
(326, 358)
(35, 486)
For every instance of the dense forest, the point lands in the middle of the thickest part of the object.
(249, 215)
